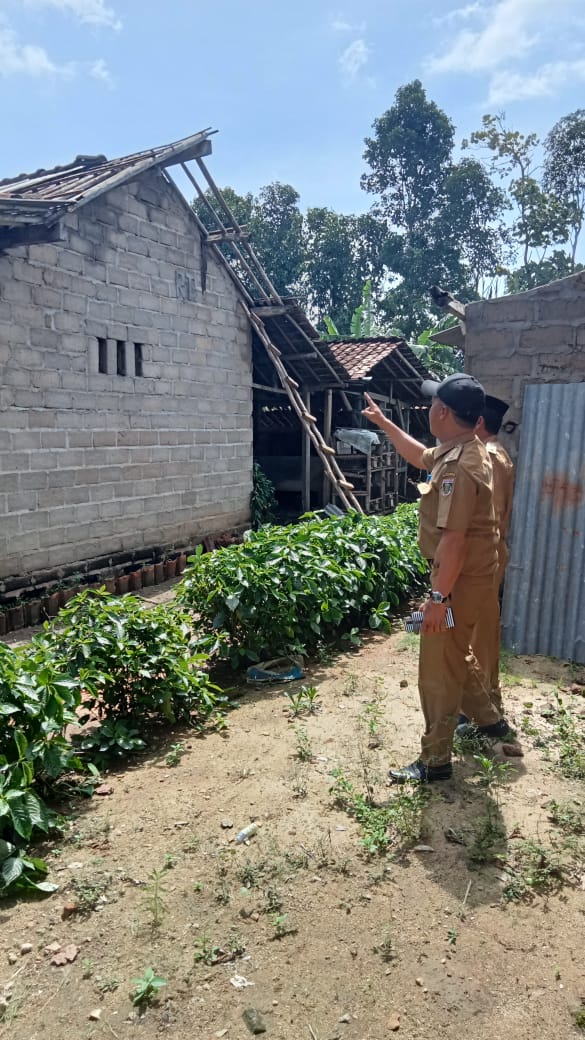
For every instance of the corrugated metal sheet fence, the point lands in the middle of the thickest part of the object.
(544, 599)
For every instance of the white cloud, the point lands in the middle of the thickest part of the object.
(88, 12)
(545, 82)
(511, 31)
(339, 23)
(26, 59)
(459, 14)
(353, 59)
(100, 71)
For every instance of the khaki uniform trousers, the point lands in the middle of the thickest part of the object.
(448, 673)
(485, 641)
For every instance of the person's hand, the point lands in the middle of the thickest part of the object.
(372, 412)
(435, 617)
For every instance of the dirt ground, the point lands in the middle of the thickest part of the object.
(433, 939)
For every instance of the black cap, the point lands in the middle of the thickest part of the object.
(493, 412)
(460, 392)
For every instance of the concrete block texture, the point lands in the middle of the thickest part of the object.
(90, 461)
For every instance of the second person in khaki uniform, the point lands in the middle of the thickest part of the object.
(458, 536)
(485, 641)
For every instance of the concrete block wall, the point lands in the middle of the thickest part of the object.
(533, 337)
(93, 462)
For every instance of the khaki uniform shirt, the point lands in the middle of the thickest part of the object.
(459, 497)
(503, 473)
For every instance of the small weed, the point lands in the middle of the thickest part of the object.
(557, 974)
(174, 755)
(274, 902)
(249, 874)
(372, 717)
(492, 773)
(299, 785)
(223, 893)
(579, 1017)
(108, 985)
(147, 988)
(396, 824)
(386, 947)
(452, 937)
(527, 726)
(170, 861)
(566, 817)
(154, 900)
(304, 751)
(205, 952)
(282, 926)
(87, 966)
(488, 839)
(198, 886)
(90, 892)
(351, 685)
(237, 946)
(571, 743)
(304, 701)
(534, 870)
(298, 859)
(191, 843)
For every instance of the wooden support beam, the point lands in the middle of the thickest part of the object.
(226, 236)
(270, 312)
(269, 389)
(306, 460)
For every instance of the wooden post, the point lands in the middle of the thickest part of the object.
(306, 459)
(327, 418)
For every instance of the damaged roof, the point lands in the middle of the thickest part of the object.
(377, 357)
(44, 196)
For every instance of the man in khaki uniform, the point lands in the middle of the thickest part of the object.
(458, 536)
(485, 642)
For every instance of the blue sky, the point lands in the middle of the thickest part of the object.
(292, 88)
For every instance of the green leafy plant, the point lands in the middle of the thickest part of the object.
(571, 742)
(174, 755)
(304, 750)
(263, 503)
(19, 873)
(533, 870)
(282, 926)
(134, 662)
(289, 590)
(155, 893)
(393, 826)
(111, 739)
(303, 701)
(147, 988)
(37, 702)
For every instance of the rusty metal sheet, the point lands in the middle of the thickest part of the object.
(544, 598)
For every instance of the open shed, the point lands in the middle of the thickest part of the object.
(333, 377)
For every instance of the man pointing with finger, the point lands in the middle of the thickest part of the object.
(458, 536)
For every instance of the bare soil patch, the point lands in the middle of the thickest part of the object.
(455, 939)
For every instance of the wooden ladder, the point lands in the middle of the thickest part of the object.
(327, 454)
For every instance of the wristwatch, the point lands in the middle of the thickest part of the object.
(437, 597)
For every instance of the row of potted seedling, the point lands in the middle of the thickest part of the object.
(35, 606)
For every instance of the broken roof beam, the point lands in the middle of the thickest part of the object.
(443, 299)
(246, 245)
(224, 229)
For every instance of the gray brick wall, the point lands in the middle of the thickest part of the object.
(534, 337)
(94, 463)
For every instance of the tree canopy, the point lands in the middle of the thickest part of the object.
(499, 220)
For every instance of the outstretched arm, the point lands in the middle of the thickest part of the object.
(410, 449)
